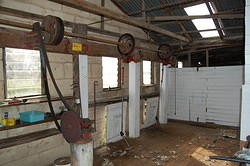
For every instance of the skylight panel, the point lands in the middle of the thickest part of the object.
(209, 34)
(197, 10)
(204, 23)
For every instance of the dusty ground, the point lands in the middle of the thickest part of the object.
(174, 144)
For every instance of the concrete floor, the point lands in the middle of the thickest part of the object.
(174, 144)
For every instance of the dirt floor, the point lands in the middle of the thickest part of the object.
(174, 144)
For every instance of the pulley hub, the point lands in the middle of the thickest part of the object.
(126, 44)
(165, 55)
(52, 30)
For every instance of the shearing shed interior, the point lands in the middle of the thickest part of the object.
(125, 82)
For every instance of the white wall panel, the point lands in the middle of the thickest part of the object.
(211, 94)
(116, 121)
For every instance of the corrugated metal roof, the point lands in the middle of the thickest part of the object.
(135, 6)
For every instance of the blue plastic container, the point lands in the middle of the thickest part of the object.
(31, 116)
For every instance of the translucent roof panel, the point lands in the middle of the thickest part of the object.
(202, 24)
(209, 34)
(197, 10)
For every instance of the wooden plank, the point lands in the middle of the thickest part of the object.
(20, 39)
(16, 39)
(27, 138)
(181, 18)
(216, 22)
(25, 124)
(205, 30)
(170, 6)
(99, 10)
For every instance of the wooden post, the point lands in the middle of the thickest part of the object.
(134, 99)
(189, 60)
(102, 17)
(207, 58)
(143, 9)
(81, 154)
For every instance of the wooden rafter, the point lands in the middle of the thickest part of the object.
(216, 22)
(98, 10)
(170, 6)
(225, 28)
(125, 12)
(178, 23)
(181, 18)
(37, 17)
(232, 11)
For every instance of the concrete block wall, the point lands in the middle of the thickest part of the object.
(62, 68)
(40, 152)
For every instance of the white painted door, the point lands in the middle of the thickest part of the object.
(151, 111)
(115, 118)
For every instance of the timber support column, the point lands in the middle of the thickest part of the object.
(82, 153)
(163, 119)
(134, 99)
(245, 104)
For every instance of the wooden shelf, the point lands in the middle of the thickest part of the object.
(36, 100)
(26, 138)
(25, 124)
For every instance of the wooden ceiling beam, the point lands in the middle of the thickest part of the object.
(19, 39)
(98, 10)
(181, 26)
(225, 28)
(233, 11)
(195, 48)
(169, 6)
(181, 18)
(216, 22)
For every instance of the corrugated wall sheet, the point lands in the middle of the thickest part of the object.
(212, 94)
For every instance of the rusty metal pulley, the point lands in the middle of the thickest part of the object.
(126, 44)
(52, 30)
(165, 55)
(71, 127)
(75, 129)
(164, 52)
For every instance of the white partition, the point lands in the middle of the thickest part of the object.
(211, 94)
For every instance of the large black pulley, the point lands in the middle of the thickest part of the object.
(126, 44)
(52, 30)
(164, 52)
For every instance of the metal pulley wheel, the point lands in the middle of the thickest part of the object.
(164, 52)
(126, 44)
(52, 30)
(71, 127)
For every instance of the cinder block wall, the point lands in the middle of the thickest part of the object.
(63, 70)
